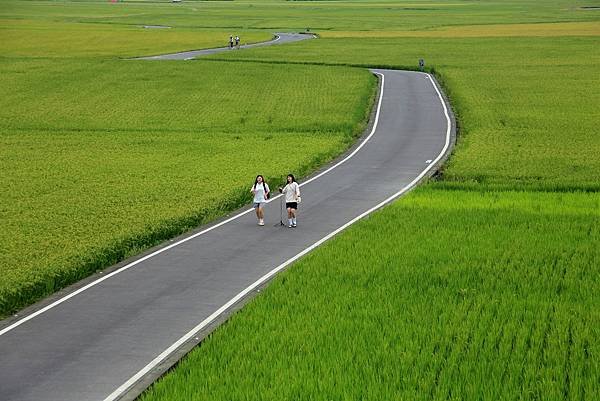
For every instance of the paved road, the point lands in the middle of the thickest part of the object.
(280, 38)
(124, 330)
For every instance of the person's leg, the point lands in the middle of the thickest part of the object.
(290, 216)
(294, 212)
(257, 210)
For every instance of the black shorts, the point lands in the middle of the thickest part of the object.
(291, 205)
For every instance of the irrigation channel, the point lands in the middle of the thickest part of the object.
(110, 336)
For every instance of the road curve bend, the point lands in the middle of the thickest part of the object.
(280, 38)
(110, 337)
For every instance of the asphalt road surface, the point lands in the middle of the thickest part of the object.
(107, 338)
(280, 38)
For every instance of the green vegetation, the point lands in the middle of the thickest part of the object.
(481, 285)
(66, 39)
(65, 29)
(448, 295)
(102, 158)
(528, 106)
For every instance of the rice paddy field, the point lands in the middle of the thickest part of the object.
(481, 284)
(103, 157)
(448, 295)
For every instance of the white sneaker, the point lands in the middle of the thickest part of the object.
(261, 222)
(294, 225)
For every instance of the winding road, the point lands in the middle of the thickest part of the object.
(110, 336)
(280, 38)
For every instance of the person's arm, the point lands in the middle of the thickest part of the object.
(267, 190)
(297, 191)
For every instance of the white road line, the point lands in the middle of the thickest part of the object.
(359, 146)
(130, 265)
(129, 383)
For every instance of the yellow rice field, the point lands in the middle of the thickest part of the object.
(479, 31)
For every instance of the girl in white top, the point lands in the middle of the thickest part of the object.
(292, 197)
(260, 190)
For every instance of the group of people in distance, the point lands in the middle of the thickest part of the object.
(234, 42)
(291, 191)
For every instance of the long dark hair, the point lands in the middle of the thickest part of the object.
(263, 182)
(292, 176)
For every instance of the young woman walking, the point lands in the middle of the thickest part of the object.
(260, 190)
(292, 197)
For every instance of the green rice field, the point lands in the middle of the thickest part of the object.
(483, 284)
(103, 158)
(480, 285)
(448, 295)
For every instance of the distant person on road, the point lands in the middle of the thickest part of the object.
(292, 197)
(231, 41)
(237, 41)
(260, 190)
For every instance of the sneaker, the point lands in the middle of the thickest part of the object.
(290, 226)
(261, 222)
(294, 225)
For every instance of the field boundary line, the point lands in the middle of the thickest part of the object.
(166, 248)
(123, 389)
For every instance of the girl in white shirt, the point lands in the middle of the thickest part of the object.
(260, 190)
(292, 197)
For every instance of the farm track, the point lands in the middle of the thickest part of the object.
(111, 336)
